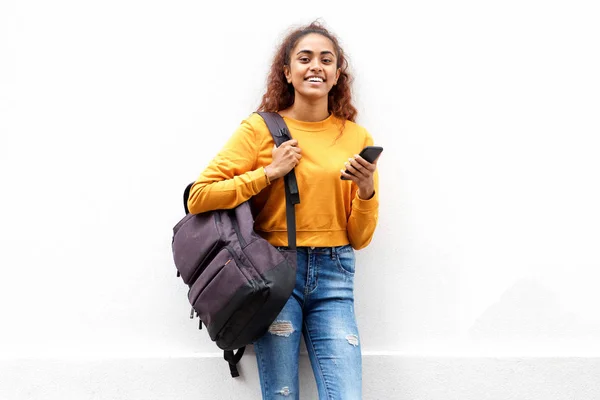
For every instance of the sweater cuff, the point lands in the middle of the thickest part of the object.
(361, 205)
(259, 179)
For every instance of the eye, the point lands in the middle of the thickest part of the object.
(327, 60)
(304, 59)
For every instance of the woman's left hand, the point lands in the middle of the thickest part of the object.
(361, 173)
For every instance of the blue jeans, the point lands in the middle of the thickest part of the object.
(321, 308)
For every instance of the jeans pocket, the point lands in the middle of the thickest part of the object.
(345, 261)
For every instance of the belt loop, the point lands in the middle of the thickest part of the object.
(333, 253)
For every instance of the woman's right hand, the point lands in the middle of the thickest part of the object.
(285, 158)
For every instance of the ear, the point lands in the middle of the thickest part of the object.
(337, 75)
(287, 73)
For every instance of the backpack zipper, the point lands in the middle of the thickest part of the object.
(236, 228)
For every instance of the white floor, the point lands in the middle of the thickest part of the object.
(385, 377)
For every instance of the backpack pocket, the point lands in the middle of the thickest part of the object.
(216, 287)
(196, 238)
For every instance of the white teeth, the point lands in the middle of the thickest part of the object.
(315, 79)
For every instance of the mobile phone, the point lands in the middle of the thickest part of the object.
(369, 153)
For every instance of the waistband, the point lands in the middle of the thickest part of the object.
(321, 250)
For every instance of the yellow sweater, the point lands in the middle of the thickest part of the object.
(330, 212)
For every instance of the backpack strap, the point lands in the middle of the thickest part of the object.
(281, 133)
(186, 195)
(234, 358)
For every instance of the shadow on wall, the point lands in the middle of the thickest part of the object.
(530, 312)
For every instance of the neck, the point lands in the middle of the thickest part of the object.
(307, 111)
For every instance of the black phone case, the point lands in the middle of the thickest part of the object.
(369, 153)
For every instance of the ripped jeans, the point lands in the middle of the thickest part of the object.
(321, 308)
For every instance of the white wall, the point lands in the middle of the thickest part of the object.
(489, 228)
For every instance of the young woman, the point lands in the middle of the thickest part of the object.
(309, 85)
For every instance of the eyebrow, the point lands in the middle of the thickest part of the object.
(312, 52)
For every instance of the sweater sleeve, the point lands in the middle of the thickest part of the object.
(364, 213)
(230, 179)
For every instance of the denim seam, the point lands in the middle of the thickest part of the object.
(344, 249)
(306, 276)
(265, 387)
(338, 262)
(301, 303)
(315, 271)
(309, 342)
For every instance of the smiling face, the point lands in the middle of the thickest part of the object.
(312, 68)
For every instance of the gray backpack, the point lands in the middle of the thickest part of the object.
(238, 282)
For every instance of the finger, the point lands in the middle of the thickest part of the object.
(347, 175)
(352, 178)
(291, 142)
(358, 169)
(367, 165)
(362, 161)
(350, 168)
(293, 153)
(370, 166)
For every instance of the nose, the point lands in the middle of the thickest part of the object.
(315, 65)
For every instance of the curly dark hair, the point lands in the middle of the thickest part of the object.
(280, 93)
